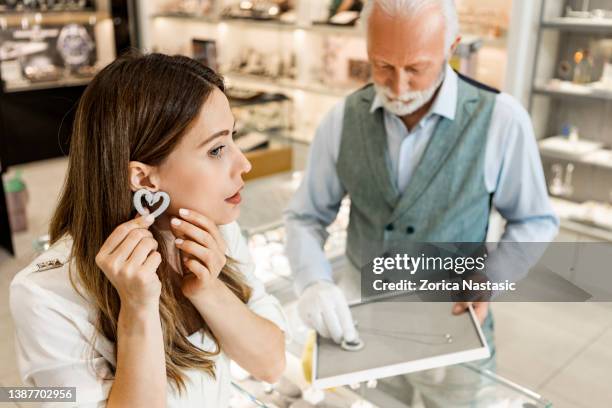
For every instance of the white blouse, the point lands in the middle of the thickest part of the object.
(54, 327)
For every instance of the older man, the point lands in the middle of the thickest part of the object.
(423, 153)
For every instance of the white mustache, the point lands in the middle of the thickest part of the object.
(406, 96)
(408, 101)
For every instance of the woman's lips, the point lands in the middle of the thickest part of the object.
(235, 199)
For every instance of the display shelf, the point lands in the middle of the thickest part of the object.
(325, 28)
(575, 91)
(321, 28)
(316, 27)
(603, 25)
(597, 158)
(52, 18)
(189, 17)
(568, 212)
(286, 85)
(242, 22)
(254, 23)
(25, 85)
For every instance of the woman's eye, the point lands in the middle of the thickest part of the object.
(216, 152)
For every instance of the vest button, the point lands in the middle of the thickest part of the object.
(389, 227)
(410, 230)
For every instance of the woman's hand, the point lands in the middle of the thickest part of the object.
(203, 251)
(129, 259)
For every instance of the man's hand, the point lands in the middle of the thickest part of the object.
(323, 307)
(481, 309)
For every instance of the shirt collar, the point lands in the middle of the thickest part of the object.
(446, 101)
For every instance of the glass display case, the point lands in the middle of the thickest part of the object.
(262, 223)
(49, 51)
(51, 44)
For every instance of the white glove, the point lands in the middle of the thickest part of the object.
(323, 307)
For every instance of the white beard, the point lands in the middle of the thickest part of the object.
(410, 101)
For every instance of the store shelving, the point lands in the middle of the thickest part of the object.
(287, 85)
(561, 100)
(600, 158)
(573, 91)
(603, 25)
(186, 17)
(266, 24)
(25, 85)
(572, 218)
(48, 58)
(26, 19)
(41, 24)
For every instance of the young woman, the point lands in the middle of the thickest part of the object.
(142, 312)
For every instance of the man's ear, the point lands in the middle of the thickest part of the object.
(142, 176)
(454, 46)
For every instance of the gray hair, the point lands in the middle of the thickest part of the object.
(412, 7)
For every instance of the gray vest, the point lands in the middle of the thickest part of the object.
(446, 199)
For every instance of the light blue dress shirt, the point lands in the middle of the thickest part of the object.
(513, 174)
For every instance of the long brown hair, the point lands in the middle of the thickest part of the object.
(137, 108)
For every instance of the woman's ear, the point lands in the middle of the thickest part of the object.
(142, 176)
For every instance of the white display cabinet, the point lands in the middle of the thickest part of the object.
(571, 107)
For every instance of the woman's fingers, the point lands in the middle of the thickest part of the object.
(197, 268)
(133, 238)
(153, 260)
(205, 255)
(188, 230)
(141, 252)
(206, 224)
(122, 231)
(213, 261)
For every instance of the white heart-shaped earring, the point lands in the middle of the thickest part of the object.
(151, 199)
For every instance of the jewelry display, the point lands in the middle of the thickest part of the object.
(190, 7)
(205, 52)
(324, 72)
(480, 19)
(586, 13)
(267, 248)
(258, 9)
(565, 71)
(48, 54)
(569, 146)
(561, 185)
(252, 141)
(262, 113)
(337, 12)
(583, 70)
(416, 337)
(74, 45)
(40, 68)
(46, 5)
(275, 65)
(567, 182)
